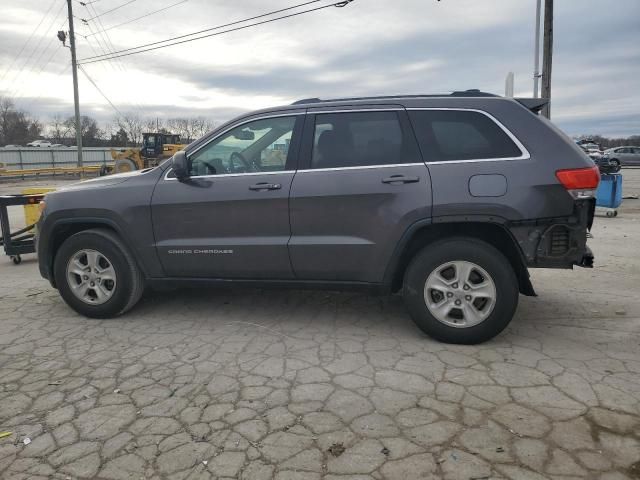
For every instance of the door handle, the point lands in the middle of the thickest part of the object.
(400, 179)
(265, 186)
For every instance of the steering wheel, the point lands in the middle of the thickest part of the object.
(211, 168)
(238, 156)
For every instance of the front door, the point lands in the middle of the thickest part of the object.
(230, 219)
(361, 184)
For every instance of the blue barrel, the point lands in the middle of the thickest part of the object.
(609, 193)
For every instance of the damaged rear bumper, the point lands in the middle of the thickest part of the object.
(557, 242)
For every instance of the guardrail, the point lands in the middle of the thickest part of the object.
(29, 158)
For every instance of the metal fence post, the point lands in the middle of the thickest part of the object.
(53, 163)
(20, 160)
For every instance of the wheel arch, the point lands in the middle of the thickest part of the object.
(424, 232)
(63, 229)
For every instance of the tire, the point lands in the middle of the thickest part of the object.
(436, 261)
(128, 281)
(124, 165)
(615, 164)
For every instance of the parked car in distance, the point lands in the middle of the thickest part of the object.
(591, 149)
(39, 143)
(12, 146)
(435, 197)
(58, 145)
(623, 156)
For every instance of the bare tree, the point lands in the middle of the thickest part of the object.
(16, 127)
(133, 126)
(190, 128)
(58, 130)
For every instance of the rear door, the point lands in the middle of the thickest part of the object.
(360, 185)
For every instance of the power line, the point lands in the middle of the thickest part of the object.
(142, 49)
(217, 27)
(17, 91)
(105, 37)
(37, 47)
(104, 13)
(110, 45)
(99, 90)
(28, 40)
(141, 17)
(43, 91)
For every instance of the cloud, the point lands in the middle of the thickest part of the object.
(370, 47)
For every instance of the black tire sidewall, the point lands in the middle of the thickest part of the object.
(483, 255)
(124, 281)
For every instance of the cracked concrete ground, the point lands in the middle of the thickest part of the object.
(284, 384)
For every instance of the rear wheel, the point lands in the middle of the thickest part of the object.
(461, 291)
(96, 275)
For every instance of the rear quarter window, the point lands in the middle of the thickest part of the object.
(448, 135)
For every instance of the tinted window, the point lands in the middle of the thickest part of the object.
(258, 146)
(358, 139)
(460, 135)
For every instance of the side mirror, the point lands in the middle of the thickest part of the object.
(180, 165)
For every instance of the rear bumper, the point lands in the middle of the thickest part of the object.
(557, 242)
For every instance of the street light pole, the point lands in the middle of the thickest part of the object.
(536, 62)
(74, 70)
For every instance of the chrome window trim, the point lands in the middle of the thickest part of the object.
(360, 167)
(217, 175)
(525, 153)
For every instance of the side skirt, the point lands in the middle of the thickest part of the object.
(179, 282)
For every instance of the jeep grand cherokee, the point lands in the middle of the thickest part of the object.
(448, 199)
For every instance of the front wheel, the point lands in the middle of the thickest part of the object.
(96, 275)
(615, 165)
(461, 291)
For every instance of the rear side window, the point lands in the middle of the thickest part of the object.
(445, 135)
(358, 139)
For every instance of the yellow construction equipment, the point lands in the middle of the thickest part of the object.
(155, 148)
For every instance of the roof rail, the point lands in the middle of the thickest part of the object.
(460, 93)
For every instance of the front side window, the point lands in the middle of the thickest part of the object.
(357, 139)
(258, 146)
(445, 135)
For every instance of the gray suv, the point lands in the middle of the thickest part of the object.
(447, 199)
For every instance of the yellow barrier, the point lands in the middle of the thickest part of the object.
(32, 212)
(49, 171)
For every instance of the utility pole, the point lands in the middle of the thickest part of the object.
(536, 61)
(74, 71)
(547, 55)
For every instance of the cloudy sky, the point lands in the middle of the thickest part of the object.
(370, 47)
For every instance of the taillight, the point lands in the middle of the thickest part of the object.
(580, 182)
